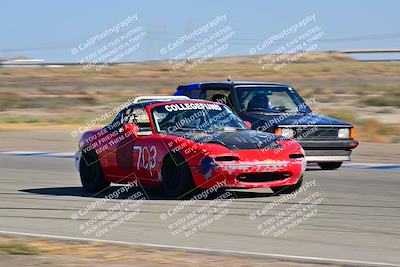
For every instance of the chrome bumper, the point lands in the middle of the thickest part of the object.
(310, 159)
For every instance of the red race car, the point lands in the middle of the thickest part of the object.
(182, 144)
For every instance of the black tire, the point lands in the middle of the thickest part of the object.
(287, 189)
(176, 176)
(92, 177)
(330, 165)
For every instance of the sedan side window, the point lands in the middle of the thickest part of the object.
(194, 93)
(219, 95)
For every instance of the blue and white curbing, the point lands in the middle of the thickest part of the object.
(372, 166)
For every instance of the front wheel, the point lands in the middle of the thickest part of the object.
(92, 176)
(288, 188)
(176, 175)
(329, 165)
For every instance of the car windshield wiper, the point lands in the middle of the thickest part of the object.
(263, 110)
(189, 129)
(281, 108)
(227, 128)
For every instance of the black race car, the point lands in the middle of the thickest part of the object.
(278, 108)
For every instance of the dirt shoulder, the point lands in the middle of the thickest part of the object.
(24, 251)
(362, 93)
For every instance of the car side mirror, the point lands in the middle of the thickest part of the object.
(132, 129)
(248, 124)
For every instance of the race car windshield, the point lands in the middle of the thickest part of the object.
(195, 116)
(270, 99)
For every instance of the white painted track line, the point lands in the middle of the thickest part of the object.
(210, 250)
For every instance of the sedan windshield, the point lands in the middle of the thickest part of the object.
(270, 99)
(195, 116)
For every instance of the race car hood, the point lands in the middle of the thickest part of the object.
(273, 120)
(234, 140)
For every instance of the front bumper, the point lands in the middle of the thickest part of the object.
(251, 174)
(328, 150)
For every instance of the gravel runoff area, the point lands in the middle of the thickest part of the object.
(25, 251)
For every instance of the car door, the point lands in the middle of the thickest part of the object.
(113, 142)
(136, 157)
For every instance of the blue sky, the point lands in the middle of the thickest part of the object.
(50, 29)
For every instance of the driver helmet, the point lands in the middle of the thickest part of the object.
(260, 100)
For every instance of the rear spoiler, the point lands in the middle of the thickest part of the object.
(159, 98)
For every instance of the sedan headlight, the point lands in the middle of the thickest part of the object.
(285, 132)
(344, 133)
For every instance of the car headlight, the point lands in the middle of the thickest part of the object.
(206, 164)
(285, 132)
(344, 133)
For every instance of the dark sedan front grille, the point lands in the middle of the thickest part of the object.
(313, 132)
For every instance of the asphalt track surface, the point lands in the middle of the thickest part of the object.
(357, 221)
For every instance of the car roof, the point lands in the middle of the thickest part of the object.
(228, 83)
(153, 102)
